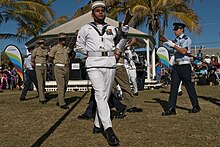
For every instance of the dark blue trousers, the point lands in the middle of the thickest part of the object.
(91, 108)
(182, 72)
(30, 77)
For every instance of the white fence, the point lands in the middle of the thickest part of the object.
(85, 85)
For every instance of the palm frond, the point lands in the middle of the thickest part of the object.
(13, 37)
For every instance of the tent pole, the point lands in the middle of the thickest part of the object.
(148, 57)
(153, 63)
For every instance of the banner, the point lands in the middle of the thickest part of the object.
(14, 55)
(163, 54)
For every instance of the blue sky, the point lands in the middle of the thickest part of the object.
(208, 11)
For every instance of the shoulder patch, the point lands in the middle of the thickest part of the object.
(185, 37)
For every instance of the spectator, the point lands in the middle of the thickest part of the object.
(7, 75)
(167, 78)
(13, 79)
(199, 55)
(158, 71)
(207, 59)
(212, 77)
(202, 75)
(4, 81)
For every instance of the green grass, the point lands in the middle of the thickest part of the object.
(28, 123)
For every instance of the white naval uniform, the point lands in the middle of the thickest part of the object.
(94, 40)
(131, 68)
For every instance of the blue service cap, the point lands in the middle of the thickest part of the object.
(177, 25)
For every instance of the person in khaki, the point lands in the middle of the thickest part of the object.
(59, 54)
(122, 79)
(38, 61)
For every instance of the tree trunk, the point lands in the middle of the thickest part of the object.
(161, 32)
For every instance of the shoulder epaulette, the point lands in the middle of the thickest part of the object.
(185, 37)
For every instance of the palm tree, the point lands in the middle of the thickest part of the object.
(159, 12)
(32, 17)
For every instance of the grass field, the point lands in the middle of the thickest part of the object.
(29, 123)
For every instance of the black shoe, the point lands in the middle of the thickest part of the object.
(180, 93)
(97, 130)
(195, 109)
(84, 117)
(135, 109)
(120, 114)
(64, 107)
(22, 99)
(111, 137)
(136, 94)
(43, 102)
(170, 111)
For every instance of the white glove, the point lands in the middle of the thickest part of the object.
(170, 43)
(125, 29)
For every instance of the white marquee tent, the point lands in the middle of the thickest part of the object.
(73, 25)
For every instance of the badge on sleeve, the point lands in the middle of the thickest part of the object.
(109, 32)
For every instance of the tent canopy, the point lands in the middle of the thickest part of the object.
(74, 25)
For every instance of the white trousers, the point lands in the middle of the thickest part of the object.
(133, 79)
(102, 80)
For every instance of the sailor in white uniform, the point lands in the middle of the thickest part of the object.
(97, 40)
(129, 64)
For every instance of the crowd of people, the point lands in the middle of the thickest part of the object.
(9, 79)
(204, 72)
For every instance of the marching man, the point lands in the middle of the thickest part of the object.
(96, 39)
(129, 64)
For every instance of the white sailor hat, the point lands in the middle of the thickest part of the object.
(98, 4)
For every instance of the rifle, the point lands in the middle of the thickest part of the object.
(128, 17)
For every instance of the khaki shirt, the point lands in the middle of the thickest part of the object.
(40, 55)
(60, 54)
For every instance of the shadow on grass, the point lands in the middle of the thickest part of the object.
(164, 104)
(50, 96)
(71, 99)
(54, 127)
(211, 99)
(31, 98)
(164, 92)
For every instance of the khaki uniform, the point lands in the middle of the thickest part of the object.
(61, 69)
(40, 56)
(121, 78)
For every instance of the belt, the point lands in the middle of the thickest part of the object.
(182, 62)
(40, 64)
(100, 54)
(29, 68)
(62, 65)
